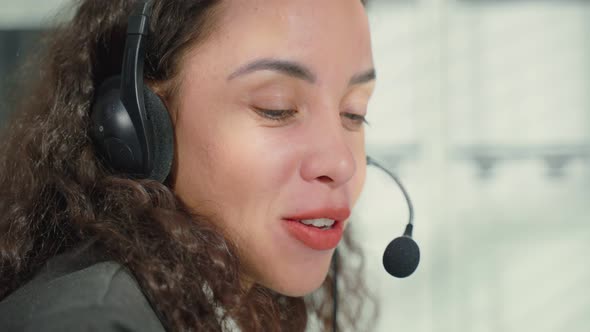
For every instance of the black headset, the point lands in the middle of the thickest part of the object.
(133, 134)
(130, 125)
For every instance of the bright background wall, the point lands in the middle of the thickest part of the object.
(483, 108)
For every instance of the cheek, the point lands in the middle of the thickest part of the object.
(359, 152)
(359, 182)
(251, 167)
(228, 165)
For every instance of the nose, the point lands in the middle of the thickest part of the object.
(329, 158)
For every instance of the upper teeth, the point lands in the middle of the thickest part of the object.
(321, 222)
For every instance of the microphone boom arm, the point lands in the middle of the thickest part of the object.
(409, 227)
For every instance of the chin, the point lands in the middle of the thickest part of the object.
(300, 284)
(300, 289)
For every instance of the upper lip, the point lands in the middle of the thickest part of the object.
(334, 213)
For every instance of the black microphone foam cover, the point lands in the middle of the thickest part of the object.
(401, 257)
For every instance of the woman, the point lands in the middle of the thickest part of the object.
(267, 102)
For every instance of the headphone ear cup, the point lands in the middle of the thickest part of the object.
(115, 138)
(162, 133)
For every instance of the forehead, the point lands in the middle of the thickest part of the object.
(311, 31)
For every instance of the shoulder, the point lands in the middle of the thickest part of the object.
(103, 296)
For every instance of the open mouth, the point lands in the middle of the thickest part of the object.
(318, 234)
(321, 223)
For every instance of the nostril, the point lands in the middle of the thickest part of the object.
(325, 179)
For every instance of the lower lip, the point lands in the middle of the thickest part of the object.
(313, 237)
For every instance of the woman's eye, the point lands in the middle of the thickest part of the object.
(275, 115)
(356, 120)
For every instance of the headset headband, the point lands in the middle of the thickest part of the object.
(132, 77)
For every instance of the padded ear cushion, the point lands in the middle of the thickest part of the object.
(163, 134)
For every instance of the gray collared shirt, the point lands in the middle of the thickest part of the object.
(74, 293)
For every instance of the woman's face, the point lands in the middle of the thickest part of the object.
(268, 123)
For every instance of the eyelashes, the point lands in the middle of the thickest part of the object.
(275, 115)
(353, 120)
(357, 118)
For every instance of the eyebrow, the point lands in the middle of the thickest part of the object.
(289, 68)
(295, 70)
(364, 77)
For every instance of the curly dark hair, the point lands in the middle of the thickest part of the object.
(56, 194)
